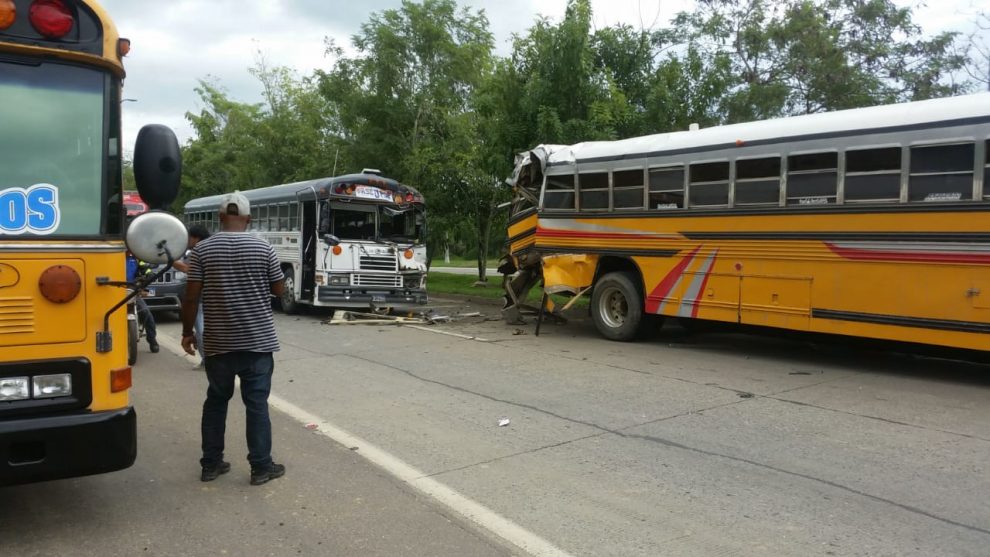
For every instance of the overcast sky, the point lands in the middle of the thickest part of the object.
(175, 43)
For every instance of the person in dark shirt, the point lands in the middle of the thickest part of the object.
(235, 274)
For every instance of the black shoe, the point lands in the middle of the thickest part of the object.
(211, 473)
(259, 477)
(153, 346)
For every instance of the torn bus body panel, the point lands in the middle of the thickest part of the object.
(525, 266)
(568, 273)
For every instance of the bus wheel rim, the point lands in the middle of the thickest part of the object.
(288, 295)
(613, 308)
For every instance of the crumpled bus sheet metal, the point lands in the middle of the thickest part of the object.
(568, 273)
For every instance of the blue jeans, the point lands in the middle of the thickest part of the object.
(255, 370)
(148, 320)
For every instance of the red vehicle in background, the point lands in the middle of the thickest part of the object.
(133, 204)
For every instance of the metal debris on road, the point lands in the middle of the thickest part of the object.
(421, 317)
(502, 422)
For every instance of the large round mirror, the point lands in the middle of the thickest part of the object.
(154, 235)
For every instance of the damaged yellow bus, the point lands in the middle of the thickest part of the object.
(871, 222)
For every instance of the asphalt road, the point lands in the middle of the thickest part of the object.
(716, 444)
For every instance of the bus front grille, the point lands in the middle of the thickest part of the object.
(383, 262)
(16, 315)
(392, 281)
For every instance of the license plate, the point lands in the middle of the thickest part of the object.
(378, 299)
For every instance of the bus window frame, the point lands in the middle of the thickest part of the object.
(643, 186)
(845, 173)
(597, 168)
(983, 175)
(573, 191)
(942, 142)
(734, 175)
(682, 166)
(786, 164)
(727, 182)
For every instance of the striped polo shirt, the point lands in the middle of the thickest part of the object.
(237, 270)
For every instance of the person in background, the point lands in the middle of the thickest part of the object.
(197, 233)
(235, 274)
(135, 269)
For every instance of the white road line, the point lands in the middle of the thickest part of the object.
(471, 510)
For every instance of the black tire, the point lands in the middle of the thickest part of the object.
(287, 301)
(617, 308)
(132, 341)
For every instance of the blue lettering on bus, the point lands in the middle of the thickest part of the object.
(29, 211)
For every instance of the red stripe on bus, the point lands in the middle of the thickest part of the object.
(576, 234)
(918, 256)
(662, 289)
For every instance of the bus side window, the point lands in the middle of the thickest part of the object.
(709, 184)
(627, 189)
(941, 172)
(594, 190)
(873, 174)
(560, 192)
(254, 218)
(812, 179)
(667, 187)
(986, 171)
(758, 181)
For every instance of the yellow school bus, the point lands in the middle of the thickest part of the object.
(872, 222)
(64, 378)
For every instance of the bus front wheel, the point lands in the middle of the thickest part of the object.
(617, 308)
(288, 299)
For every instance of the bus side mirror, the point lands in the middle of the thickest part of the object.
(331, 240)
(157, 165)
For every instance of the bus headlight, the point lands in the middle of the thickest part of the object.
(14, 388)
(51, 386)
(339, 280)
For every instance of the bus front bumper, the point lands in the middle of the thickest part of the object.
(362, 297)
(35, 448)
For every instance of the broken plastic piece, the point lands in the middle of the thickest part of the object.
(502, 422)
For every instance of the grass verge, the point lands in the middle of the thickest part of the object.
(463, 285)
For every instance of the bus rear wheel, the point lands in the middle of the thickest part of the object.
(617, 308)
(288, 300)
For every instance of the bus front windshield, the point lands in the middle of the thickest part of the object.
(377, 223)
(51, 149)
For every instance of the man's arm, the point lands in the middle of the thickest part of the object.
(276, 279)
(190, 306)
(181, 265)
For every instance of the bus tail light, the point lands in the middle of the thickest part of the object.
(123, 47)
(8, 13)
(408, 254)
(120, 379)
(50, 18)
(409, 197)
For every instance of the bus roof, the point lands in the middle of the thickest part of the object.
(322, 187)
(953, 111)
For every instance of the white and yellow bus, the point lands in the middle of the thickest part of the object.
(872, 222)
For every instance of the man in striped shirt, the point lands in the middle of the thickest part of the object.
(235, 273)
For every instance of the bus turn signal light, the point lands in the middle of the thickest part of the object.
(60, 284)
(337, 250)
(8, 13)
(120, 379)
(50, 18)
(408, 254)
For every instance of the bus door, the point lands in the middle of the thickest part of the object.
(308, 246)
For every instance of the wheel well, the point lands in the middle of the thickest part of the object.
(611, 264)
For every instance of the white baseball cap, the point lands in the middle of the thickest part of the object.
(238, 199)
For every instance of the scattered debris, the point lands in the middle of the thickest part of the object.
(312, 426)
(502, 422)
(421, 317)
(518, 332)
(746, 395)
